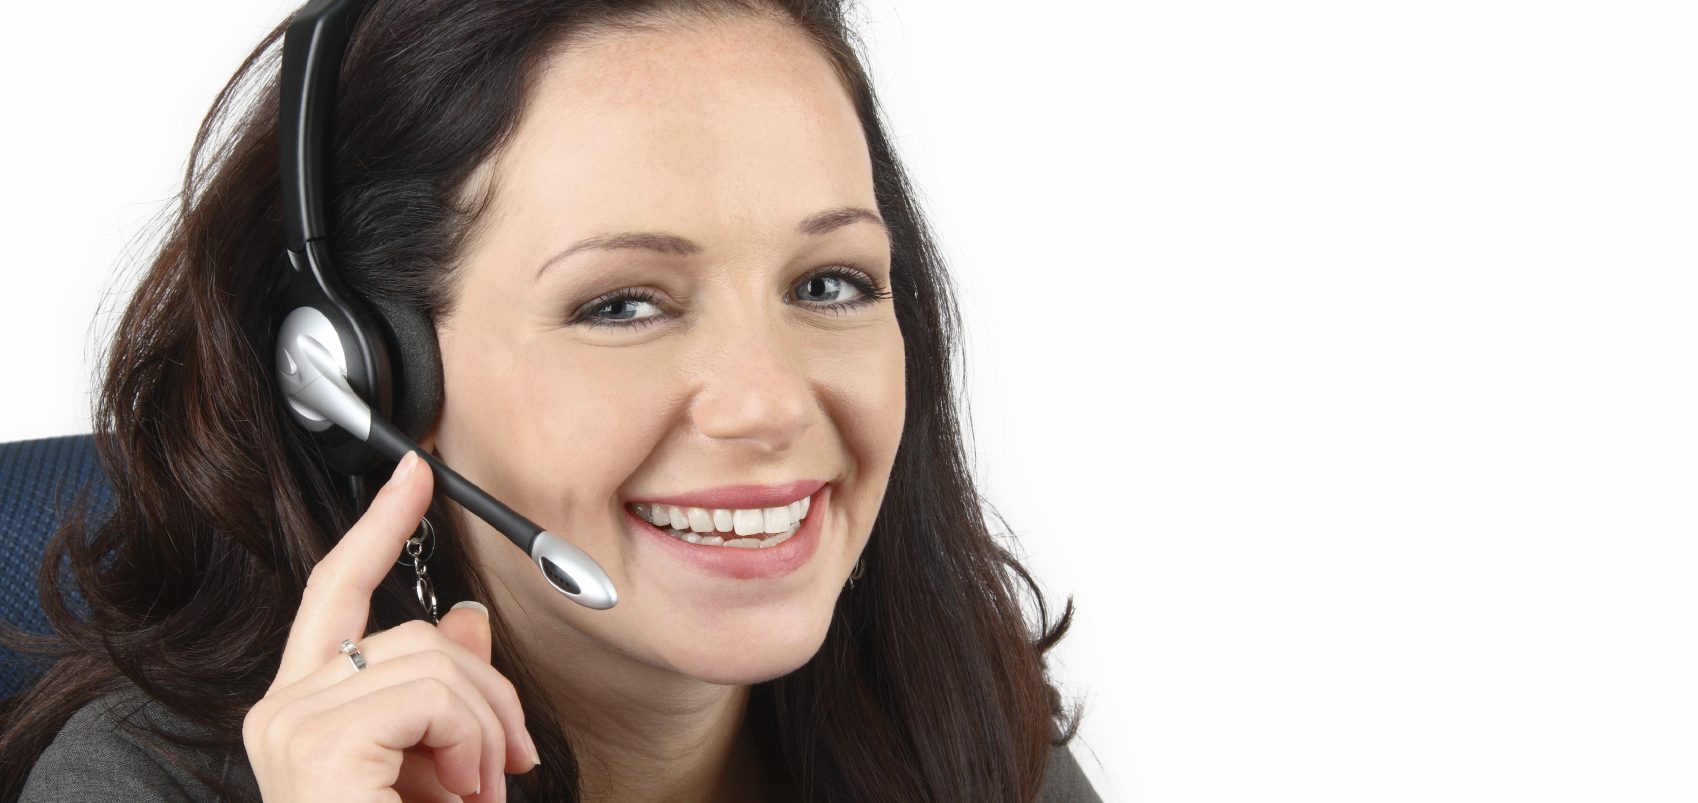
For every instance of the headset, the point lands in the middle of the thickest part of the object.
(335, 362)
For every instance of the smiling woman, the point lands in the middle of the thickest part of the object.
(687, 315)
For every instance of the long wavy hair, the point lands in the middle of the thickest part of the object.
(931, 683)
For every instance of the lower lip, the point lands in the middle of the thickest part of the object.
(743, 563)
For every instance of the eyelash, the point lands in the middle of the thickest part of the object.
(871, 292)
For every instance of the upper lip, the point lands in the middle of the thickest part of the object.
(740, 497)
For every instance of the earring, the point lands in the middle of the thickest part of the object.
(421, 582)
(860, 569)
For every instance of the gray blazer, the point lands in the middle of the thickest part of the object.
(96, 757)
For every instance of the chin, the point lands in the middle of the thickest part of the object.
(743, 656)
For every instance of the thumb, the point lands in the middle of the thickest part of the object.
(467, 624)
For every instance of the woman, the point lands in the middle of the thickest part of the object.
(666, 250)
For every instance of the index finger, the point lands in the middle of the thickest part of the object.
(337, 598)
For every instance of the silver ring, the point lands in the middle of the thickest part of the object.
(353, 654)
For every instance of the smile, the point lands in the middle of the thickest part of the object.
(749, 528)
(728, 541)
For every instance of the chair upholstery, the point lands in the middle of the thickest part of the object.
(39, 482)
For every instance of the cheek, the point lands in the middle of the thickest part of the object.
(868, 391)
(590, 424)
(553, 431)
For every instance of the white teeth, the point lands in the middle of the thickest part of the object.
(714, 539)
(748, 522)
(712, 527)
(700, 520)
(766, 520)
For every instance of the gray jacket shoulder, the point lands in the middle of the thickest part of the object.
(103, 753)
(1065, 782)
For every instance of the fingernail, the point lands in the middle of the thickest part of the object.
(404, 469)
(473, 604)
(535, 757)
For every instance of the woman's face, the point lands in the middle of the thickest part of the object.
(672, 294)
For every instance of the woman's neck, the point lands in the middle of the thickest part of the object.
(641, 733)
(690, 746)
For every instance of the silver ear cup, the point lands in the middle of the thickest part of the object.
(312, 370)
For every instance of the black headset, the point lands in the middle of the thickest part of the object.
(346, 365)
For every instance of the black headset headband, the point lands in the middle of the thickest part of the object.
(312, 65)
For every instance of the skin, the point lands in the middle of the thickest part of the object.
(743, 378)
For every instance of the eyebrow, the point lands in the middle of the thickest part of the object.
(814, 225)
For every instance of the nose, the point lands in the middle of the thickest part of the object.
(755, 389)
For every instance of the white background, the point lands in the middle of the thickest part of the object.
(1338, 358)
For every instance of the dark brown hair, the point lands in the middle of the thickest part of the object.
(223, 507)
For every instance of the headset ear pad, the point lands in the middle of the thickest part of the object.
(417, 360)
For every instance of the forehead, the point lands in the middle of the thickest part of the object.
(737, 121)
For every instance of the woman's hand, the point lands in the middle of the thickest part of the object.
(427, 719)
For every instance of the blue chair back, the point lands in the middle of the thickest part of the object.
(39, 482)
